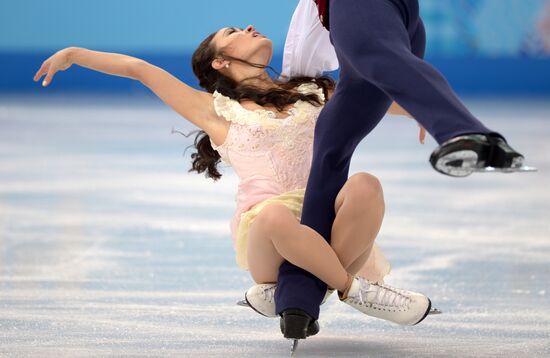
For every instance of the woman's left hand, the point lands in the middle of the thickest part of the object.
(59, 61)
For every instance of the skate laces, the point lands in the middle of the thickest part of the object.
(268, 293)
(384, 295)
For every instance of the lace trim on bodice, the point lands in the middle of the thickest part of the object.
(233, 111)
(253, 132)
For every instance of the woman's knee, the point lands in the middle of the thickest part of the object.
(272, 218)
(365, 185)
(362, 188)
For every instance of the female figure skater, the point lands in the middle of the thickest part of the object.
(264, 129)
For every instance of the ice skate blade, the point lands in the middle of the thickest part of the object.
(435, 311)
(522, 169)
(243, 303)
(293, 347)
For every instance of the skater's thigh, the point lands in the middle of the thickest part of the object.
(366, 27)
(373, 38)
(263, 259)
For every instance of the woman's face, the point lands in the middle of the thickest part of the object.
(246, 44)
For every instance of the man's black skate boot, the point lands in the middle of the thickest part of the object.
(297, 324)
(461, 156)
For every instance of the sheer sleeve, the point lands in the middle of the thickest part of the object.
(308, 50)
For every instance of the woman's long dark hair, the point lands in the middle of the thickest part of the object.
(206, 158)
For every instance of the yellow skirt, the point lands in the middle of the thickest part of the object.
(375, 268)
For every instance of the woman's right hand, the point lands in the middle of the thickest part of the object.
(60, 61)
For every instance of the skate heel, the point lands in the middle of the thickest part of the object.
(295, 324)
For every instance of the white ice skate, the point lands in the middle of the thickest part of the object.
(261, 298)
(388, 303)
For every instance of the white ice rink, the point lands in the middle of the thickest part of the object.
(108, 247)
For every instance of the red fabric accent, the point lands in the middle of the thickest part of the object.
(322, 6)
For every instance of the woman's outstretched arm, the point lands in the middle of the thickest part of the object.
(195, 106)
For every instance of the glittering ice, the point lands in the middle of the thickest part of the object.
(109, 247)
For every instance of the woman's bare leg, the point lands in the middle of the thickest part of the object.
(355, 267)
(359, 209)
(276, 235)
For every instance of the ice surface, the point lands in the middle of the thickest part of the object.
(109, 247)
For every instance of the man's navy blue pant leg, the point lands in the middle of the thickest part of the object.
(380, 45)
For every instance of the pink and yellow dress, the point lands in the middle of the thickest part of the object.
(272, 158)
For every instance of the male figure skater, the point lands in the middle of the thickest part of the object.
(380, 47)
